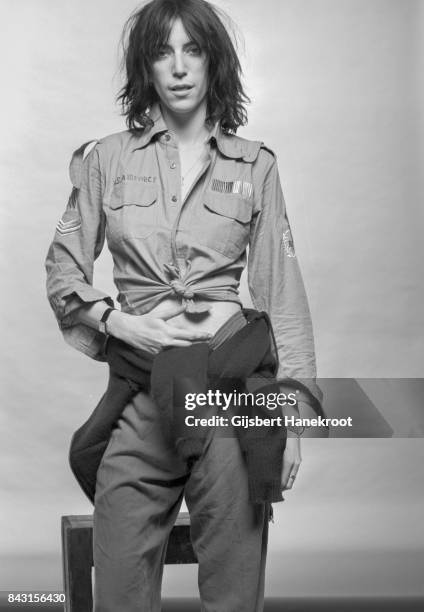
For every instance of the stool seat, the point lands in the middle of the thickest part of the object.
(77, 556)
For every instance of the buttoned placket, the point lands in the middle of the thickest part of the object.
(173, 197)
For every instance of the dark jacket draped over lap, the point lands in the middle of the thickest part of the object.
(250, 352)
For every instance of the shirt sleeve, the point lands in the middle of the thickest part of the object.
(276, 285)
(77, 243)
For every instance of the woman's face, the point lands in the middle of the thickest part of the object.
(180, 73)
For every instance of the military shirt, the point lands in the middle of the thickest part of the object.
(127, 191)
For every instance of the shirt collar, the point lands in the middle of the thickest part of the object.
(148, 133)
(226, 143)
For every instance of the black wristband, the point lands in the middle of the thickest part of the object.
(102, 322)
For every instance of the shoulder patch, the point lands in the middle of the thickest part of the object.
(288, 243)
(69, 223)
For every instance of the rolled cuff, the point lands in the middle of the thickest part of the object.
(78, 335)
(296, 412)
(307, 393)
(80, 296)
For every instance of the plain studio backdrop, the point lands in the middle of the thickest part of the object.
(337, 93)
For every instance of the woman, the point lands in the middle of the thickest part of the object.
(179, 197)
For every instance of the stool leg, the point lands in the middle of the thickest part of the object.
(77, 558)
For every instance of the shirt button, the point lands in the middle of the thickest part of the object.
(174, 198)
(173, 165)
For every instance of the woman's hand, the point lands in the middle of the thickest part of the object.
(152, 332)
(291, 461)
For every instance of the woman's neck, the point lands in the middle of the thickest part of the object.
(190, 129)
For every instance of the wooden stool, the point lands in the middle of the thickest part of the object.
(77, 556)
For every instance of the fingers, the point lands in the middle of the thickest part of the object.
(287, 468)
(291, 462)
(291, 479)
(288, 475)
(179, 333)
(179, 343)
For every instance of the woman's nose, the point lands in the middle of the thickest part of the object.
(179, 67)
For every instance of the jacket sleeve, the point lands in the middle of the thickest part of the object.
(276, 284)
(78, 241)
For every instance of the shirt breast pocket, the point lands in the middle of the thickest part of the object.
(227, 222)
(133, 211)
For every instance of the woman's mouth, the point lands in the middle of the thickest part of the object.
(181, 87)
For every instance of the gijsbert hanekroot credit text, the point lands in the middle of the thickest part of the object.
(270, 400)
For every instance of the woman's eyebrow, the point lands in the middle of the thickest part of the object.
(193, 43)
(166, 45)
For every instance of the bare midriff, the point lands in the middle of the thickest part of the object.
(209, 321)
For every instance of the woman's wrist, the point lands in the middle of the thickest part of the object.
(91, 314)
(293, 434)
(115, 324)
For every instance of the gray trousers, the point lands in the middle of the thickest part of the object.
(135, 510)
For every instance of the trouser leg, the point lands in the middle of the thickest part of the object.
(135, 509)
(229, 533)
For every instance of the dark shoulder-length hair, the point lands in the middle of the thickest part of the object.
(144, 34)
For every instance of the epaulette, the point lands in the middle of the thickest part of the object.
(270, 151)
(77, 160)
(252, 151)
(236, 147)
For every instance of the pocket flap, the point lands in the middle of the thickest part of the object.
(133, 193)
(231, 205)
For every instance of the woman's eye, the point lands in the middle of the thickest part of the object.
(194, 50)
(163, 52)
